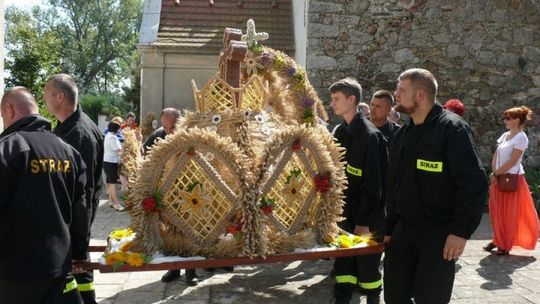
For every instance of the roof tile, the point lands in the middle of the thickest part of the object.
(194, 26)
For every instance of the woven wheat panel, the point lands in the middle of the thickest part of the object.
(218, 96)
(202, 226)
(283, 211)
(253, 96)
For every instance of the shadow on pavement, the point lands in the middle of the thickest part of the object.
(295, 282)
(484, 230)
(497, 270)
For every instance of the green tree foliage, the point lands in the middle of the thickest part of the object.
(94, 104)
(132, 93)
(33, 51)
(99, 37)
(93, 40)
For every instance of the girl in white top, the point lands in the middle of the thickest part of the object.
(513, 215)
(112, 149)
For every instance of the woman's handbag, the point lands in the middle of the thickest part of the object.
(508, 182)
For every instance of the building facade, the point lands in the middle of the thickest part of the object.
(484, 52)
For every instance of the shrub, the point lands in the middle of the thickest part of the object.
(533, 179)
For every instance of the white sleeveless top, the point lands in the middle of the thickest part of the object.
(505, 148)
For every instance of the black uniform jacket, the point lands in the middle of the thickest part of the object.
(389, 129)
(366, 158)
(151, 140)
(81, 132)
(42, 204)
(436, 177)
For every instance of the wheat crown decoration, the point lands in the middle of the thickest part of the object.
(251, 172)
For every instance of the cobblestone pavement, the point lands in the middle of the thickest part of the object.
(480, 277)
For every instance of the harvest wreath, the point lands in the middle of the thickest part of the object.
(253, 172)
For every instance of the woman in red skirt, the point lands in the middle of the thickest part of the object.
(513, 215)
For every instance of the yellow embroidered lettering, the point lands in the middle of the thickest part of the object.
(34, 166)
(43, 163)
(67, 166)
(52, 165)
(60, 166)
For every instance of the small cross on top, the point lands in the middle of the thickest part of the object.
(252, 37)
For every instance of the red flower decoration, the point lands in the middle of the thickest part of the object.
(296, 145)
(322, 183)
(266, 210)
(234, 228)
(150, 204)
(235, 225)
(190, 152)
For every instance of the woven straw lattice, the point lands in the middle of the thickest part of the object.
(312, 149)
(253, 95)
(285, 210)
(217, 95)
(200, 225)
(153, 175)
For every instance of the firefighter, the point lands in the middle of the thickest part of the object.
(78, 130)
(43, 218)
(379, 110)
(366, 158)
(437, 189)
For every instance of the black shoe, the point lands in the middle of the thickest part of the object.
(373, 299)
(502, 252)
(341, 301)
(170, 275)
(489, 247)
(191, 277)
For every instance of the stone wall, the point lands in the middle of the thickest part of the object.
(484, 52)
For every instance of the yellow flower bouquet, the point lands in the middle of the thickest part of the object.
(119, 252)
(351, 241)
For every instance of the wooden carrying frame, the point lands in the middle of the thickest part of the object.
(223, 262)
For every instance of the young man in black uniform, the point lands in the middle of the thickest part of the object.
(78, 130)
(437, 189)
(43, 219)
(379, 109)
(366, 158)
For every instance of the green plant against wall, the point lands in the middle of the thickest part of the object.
(533, 179)
(111, 104)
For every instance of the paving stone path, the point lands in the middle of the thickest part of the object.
(480, 277)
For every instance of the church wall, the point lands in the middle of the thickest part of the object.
(484, 52)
